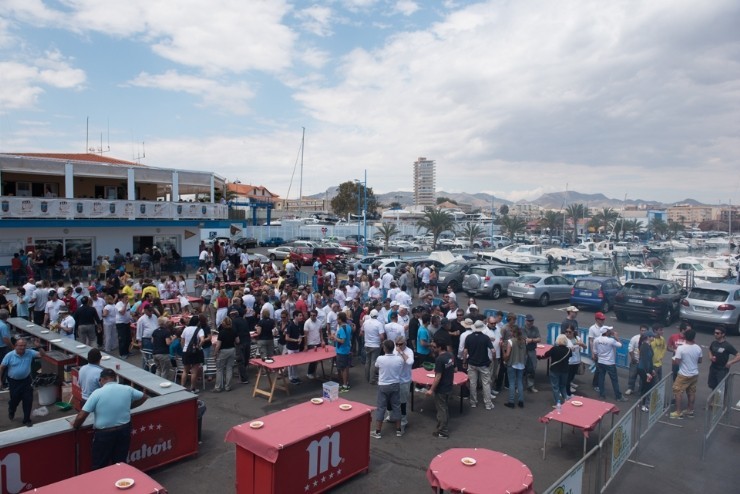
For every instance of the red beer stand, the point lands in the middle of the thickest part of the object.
(103, 481)
(307, 448)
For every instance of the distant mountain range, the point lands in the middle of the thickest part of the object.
(552, 200)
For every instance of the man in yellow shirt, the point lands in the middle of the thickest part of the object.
(659, 348)
(128, 289)
(150, 288)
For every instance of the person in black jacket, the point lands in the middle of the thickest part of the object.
(87, 322)
(244, 342)
(559, 356)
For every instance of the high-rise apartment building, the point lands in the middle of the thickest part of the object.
(425, 193)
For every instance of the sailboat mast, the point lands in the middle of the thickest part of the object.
(300, 186)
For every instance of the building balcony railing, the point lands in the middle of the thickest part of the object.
(57, 208)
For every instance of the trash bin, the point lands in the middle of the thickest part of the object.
(201, 412)
(47, 388)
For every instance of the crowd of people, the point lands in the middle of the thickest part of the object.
(370, 318)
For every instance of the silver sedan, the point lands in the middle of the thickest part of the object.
(542, 289)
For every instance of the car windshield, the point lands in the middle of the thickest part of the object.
(635, 289)
(451, 268)
(588, 284)
(708, 295)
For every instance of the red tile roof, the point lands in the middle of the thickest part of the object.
(85, 157)
(247, 190)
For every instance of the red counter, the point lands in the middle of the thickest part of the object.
(103, 481)
(37, 456)
(306, 448)
(159, 435)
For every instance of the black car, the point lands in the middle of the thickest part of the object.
(453, 274)
(246, 243)
(655, 299)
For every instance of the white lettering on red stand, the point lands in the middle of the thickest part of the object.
(10, 474)
(319, 454)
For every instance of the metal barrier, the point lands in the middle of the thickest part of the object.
(720, 404)
(595, 471)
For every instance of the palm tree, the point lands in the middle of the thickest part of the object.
(658, 227)
(512, 225)
(605, 218)
(634, 227)
(675, 227)
(470, 232)
(436, 222)
(552, 221)
(387, 230)
(575, 212)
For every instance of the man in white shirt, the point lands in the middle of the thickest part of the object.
(451, 294)
(123, 321)
(393, 292)
(424, 275)
(331, 318)
(352, 290)
(687, 357)
(312, 332)
(374, 333)
(51, 312)
(403, 298)
(403, 351)
(385, 281)
(596, 330)
(340, 297)
(248, 299)
(375, 292)
(66, 323)
(605, 350)
(393, 329)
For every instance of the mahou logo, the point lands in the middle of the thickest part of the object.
(10, 474)
(321, 452)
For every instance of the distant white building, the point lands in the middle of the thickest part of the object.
(425, 193)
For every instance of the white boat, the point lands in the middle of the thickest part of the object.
(679, 245)
(521, 255)
(565, 256)
(692, 270)
(637, 272)
(717, 242)
(630, 249)
(596, 250)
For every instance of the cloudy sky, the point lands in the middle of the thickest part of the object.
(514, 98)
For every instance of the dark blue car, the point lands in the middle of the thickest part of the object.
(273, 242)
(595, 292)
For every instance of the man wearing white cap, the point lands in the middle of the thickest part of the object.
(66, 323)
(374, 333)
(477, 360)
(596, 330)
(570, 320)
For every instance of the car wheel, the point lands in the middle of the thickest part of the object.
(605, 307)
(516, 300)
(496, 292)
(621, 316)
(273, 257)
(544, 300)
(416, 249)
(668, 316)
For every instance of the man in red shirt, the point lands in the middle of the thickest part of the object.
(675, 341)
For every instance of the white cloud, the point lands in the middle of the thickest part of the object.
(316, 20)
(406, 7)
(232, 98)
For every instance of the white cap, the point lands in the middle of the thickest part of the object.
(373, 313)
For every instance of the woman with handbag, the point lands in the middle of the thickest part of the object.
(575, 366)
(559, 356)
(192, 357)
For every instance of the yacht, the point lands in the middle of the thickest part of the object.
(693, 270)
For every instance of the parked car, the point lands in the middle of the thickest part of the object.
(453, 274)
(246, 243)
(404, 246)
(539, 288)
(301, 256)
(595, 292)
(499, 241)
(282, 252)
(489, 280)
(652, 298)
(713, 305)
(272, 242)
(328, 254)
(392, 264)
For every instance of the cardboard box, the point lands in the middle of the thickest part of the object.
(331, 391)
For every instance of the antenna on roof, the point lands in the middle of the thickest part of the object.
(91, 149)
(141, 156)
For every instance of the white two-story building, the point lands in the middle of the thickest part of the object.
(81, 206)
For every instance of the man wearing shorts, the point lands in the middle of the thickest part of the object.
(688, 358)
